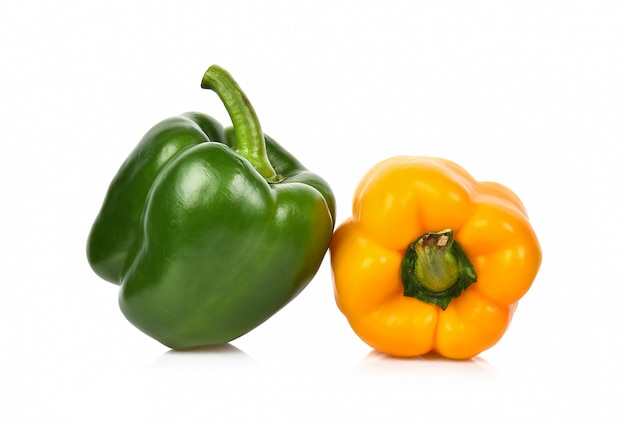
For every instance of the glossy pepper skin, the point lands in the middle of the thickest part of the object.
(376, 254)
(210, 231)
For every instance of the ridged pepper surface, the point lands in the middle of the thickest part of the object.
(431, 259)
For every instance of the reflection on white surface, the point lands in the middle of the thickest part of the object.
(215, 356)
(427, 366)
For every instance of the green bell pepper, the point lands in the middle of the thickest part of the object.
(209, 231)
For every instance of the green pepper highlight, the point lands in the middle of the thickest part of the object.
(209, 231)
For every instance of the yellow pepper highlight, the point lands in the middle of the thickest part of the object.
(379, 255)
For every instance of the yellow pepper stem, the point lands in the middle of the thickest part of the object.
(435, 269)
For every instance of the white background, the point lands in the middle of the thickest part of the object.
(531, 94)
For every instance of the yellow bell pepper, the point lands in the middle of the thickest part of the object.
(431, 259)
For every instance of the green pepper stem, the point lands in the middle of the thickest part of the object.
(435, 269)
(250, 137)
